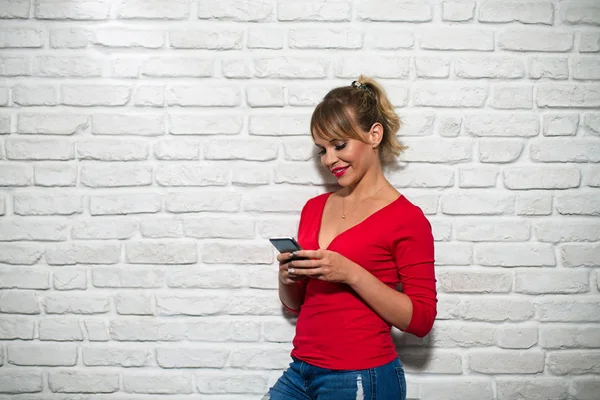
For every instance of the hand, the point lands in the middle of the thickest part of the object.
(284, 276)
(324, 265)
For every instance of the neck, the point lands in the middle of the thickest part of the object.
(368, 185)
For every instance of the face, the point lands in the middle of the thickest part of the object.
(349, 159)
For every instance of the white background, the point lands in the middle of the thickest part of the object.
(148, 149)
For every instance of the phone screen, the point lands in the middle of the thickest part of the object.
(287, 244)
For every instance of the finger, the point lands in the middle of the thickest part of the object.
(303, 264)
(308, 253)
(284, 256)
(304, 272)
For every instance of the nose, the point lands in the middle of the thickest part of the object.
(329, 159)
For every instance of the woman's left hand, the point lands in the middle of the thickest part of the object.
(324, 265)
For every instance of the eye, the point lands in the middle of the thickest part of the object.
(321, 151)
(340, 146)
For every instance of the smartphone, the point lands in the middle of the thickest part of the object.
(287, 244)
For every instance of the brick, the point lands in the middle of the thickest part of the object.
(478, 203)
(96, 330)
(270, 357)
(466, 281)
(572, 362)
(578, 204)
(15, 174)
(15, 66)
(432, 67)
(218, 253)
(560, 124)
(265, 96)
(436, 362)
(66, 66)
(60, 330)
(204, 96)
(556, 309)
(128, 38)
(527, 13)
(534, 203)
(592, 176)
(430, 94)
(103, 228)
(535, 40)
(586, 68)
(178, 67)
(153, 9)
(518, 178)
(222, 228)
(257, 302)
(5, 124)
(205, 278)
(591, 123)
(290, 67)
(128, 124)
(515, 255)
(206, 39)
(191, 357)
(585, 388)
(457, 38)
(541, 388)
(210, 200)
(232, 10)
(389, 39)
(20, 253)
(420, 123)
(115, 175)
(566, 230)
(14, 9)
(265, 37)
(73, 304)
(84, 10)
(499, 150)
(439, 150)
(130, 277)
(314, 10)
(19, 302)
(501, 125)
(492, 230)
(581, 13)
(134, 304)
(478, 177)
(136, 329)
(298, 149)
(112, 150)
(70, 279)
(68, 381)
(119, 204)
(549, 67)
(589, 42)
(237, 68)
(40, 95)
(177, 149)
(517, 336)
(166, 227)
(23, 278)
(322, 38)
(453, 254)
(512, 97)
(219, 330)
(16, 328)
(441, 229)
(489, 67)
(470, 388)
(394, 10)
(93, 95)
(158, 383)
(559, 281)
(458, 11)
(279, 125)
(507, 361)
(580, 96)
(195, 124)
(115, 356)
(161, 252)
(12, 229)
(149, 96)
(54, 124)
(565, 150)
(300, 173)
(83, 253)
(42, 354)
(495, 309)
(69, 38)
(579, 254)
(20, 381)
(417, 175)
(220, 382)
(470, 334)
(273, 200)
(554, 336)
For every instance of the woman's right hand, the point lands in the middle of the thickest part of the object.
(284, 275)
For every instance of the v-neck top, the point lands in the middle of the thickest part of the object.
(336, 329)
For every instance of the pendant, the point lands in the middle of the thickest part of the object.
(343, 216)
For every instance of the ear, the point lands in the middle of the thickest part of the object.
(376, 134)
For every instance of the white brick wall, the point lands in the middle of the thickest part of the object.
(149, 148)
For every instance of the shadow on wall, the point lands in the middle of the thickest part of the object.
(414, 353)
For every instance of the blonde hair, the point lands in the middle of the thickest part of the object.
(361, 104)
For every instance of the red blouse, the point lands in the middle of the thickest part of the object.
(336, 329)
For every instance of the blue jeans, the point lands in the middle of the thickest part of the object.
(302, 381)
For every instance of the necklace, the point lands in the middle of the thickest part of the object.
(357, 204)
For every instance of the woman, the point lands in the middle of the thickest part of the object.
(369, 238)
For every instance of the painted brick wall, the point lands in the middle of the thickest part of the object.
(149, 148)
